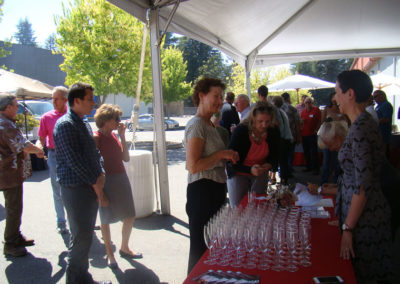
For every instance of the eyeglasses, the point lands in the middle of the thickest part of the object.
(117, 119)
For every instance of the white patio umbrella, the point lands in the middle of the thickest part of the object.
(22, 86)
(297, 82)
(381, 80)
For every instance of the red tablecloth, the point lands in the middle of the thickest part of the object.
(324, 258)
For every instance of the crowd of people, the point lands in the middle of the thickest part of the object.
(263, 143)
(85, 170)
(232, 148)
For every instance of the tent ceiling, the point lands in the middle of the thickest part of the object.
(284, 31)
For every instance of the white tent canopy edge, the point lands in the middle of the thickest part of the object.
(260, 33)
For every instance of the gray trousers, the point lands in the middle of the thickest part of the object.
(239, 186)
(81, 206)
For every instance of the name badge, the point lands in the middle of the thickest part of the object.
(311, 115)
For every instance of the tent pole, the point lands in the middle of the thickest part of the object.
(159, 112)
(248, 72)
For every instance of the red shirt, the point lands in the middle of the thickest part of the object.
(311, 120)
(111, 150)
(256, 155)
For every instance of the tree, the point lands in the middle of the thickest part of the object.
(25, 33)
(216, 67)
(3, 52)
(50, 42)
(325, 69)
(258, 77)
(101, 45)
(195, 54)
(173, 75)
(169, 40)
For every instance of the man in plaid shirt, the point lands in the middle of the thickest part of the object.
(81, 176)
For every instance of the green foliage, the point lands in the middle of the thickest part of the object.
(31, 121)
(215, 67)
(3, 52)
(173, 75)
(101, 45)
(325, 70)
(25, 33)
(197, 54)
(50, 42)
(170, 40)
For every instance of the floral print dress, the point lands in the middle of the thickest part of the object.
(360, 158)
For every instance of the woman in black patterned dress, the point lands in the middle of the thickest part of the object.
(363, 211)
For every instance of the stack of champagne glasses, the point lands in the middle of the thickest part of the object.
(261, 235)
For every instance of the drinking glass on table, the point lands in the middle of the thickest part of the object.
(304, 236)
(279, 242)
(210, 239)
(291, 241)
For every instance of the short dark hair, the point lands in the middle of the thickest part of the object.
(204, 85)
(331, 95)
(230, 97)
(277, 101)
(78, 91)
(358, 81)
(285, 96)
(263, 91)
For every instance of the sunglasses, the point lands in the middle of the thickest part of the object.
(117, 119)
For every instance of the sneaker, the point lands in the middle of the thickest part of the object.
(62, 231)
(14, 251)
(23, 241)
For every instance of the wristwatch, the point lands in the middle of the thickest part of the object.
(346, 227)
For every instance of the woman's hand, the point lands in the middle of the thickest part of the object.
(312, 188)
(121, 130)
(230, 155)
(266, 166)
(346, 245)
(257, 170)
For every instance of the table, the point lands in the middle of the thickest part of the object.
(324, 258)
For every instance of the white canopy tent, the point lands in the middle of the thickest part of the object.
(258, 33)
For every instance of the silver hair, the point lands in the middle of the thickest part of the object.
(244, 97)
(6, 99)
(331, 130)
(62, 90)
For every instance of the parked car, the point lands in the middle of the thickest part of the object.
(35, 109)
(145, 122)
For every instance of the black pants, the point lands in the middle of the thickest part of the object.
(310, 148)
(13, 205)
(204, 198)
(284, 150)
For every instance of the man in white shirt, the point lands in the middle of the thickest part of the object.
(243, 106)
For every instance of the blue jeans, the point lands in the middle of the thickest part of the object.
(81, 205)
(239, 185)
(58, 203)
(330, 163)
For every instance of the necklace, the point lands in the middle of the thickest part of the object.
(258, 138)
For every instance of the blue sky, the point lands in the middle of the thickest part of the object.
(39, 12)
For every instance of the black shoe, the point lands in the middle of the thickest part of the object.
(22, 241)
(112, 265)
(14, 251)
(130, 256)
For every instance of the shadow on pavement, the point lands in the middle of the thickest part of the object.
(160, 222)
(39, 176)
(176, 156)
(2, 213)
(30, 269)
(141, 274)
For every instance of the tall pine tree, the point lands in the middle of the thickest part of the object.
(25, 33)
